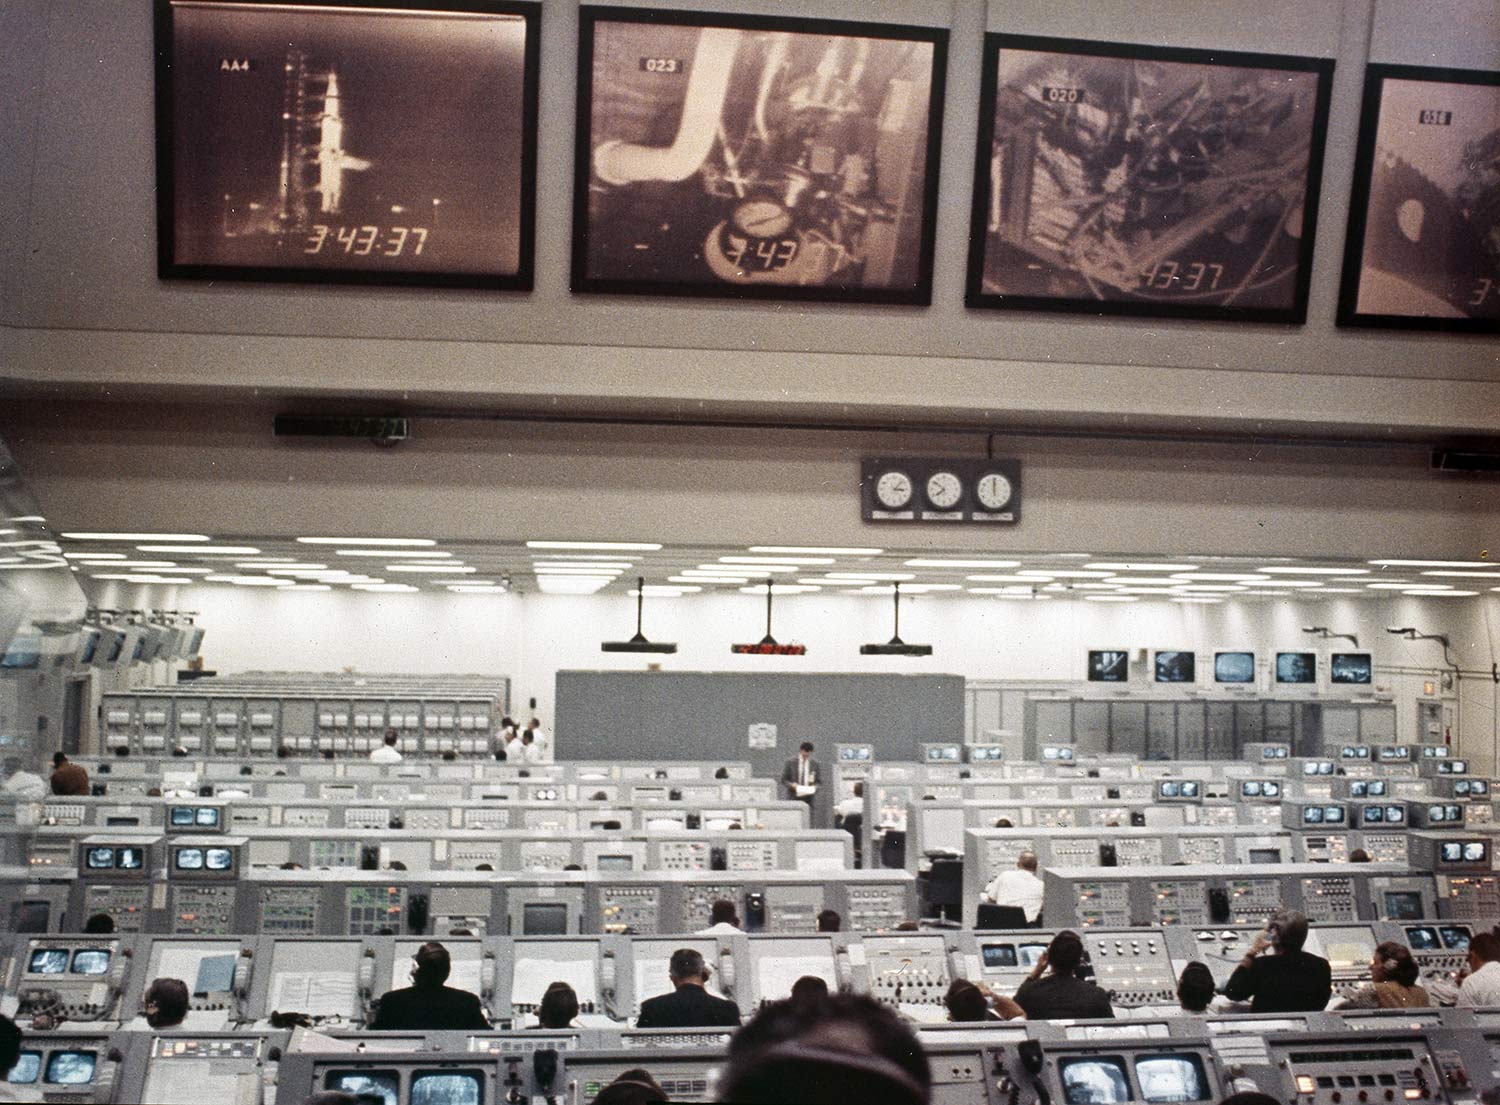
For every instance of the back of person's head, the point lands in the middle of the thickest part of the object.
(10, 1045)
(723, 912)
(809, 988)
(1003, 823)
(1250, 1097)
(1065, 952)
(558, 1007)
(166, 1002)
(686, 965)
(390, 738)
(633, 1087)
(805, 746)
(449, 755)
(859, 789)
(1485, 947)
(1195, 987)
(830, 921)
(908, 926)
(528, 737)
(1397, 962)
(1359, 855)
(59, 758)
(846, 1047)
(1288, 930)
(99, 924)
(1026, 861)
(432, 965)
(331, 1097)
(965, 1002)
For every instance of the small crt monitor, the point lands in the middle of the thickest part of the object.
(1454, 767)
(614, 863)
(1109, 665)
(943, 753)
(108, 859)
(544, 919)
(1175, 667)
(1464, 852)
(1455, 937)
(1094, 1080)
(1354, 752)
(1172, 1078)
(1271, 788)
(1435, 752)
(1395, 753)
(1058, 753)
(1234, 667)
(1419, 938)
(855, 754)
(1479, 788)
(1404, 905)
(1312, 815)
(1372, 815)
(1251, 788)
(1179, 790)
(1395, 815)
(1296, 667)
(192, 858)
(1335, 815)
(1317, 767)
(1275, 752)
(70, 1068)
(1375, 788)
(986, 753)
(1461, 788)
(1350, 667)
(194, 818)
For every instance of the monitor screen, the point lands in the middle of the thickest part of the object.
(1454, 937)
(1312, 815)
(979, 753)
(130, 859)
(1395, 753)
(382, 1087)
(1451, 852)
(943, 753)
(1479, 787)
(1454, 812)
(1250, 788)
(99, 859)
(1405, 905)
(1325, 767)
(1456, 767)
(544, 919)
(1176, 667)
(446, 1088)
(1476, 851)
(208, 817)
(1270, 788)
(1028, 954)
(91, 961)
(181, 815)
(218, 859)
(1234, 667)
(30, 916)
(856, 754)
(1265, 855)
(998, 955)
(1296, 667)
(1372, 815)
(1395, 815)
(1094, 1081)
(615, 863)
(70, 1068)
(1064, 753)
(27, 1068)
(1375, 788)
(1049, 753)
(1333, 815)
(89, 646)
(188, 859)
(215, 975)
(1358, 788)
(1168, 789)
(1419, 938)
(48, 961)
(23, 652)
(1350, 667)
(1310, 768)
(1437, 813)
(1190, 788)
(1171, 1078)
(1109, 665)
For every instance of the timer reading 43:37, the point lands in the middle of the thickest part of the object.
(361, 241)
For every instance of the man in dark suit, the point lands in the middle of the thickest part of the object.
(427, 1003)
(801, 771)
(689, 1005)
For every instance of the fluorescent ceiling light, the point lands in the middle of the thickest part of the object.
(814, 550)
(1468, 575)
(276, 562)
(658, 589)
(1221, 577)
(1266, 594)
(623, 546)
(760, 569)
(1149, 581)
(1197, 598)
(196, 550)
(136, 536)
(386, 588)
(1431, 593)
(382, 542)
(1063, 573)
(592, 566)
(467, 583)
(1299, 571)
(721, 580)
(94, 555)
(797, 561)
(925, 562)
(1419, 563)
(897, 577)
(1295, 583)
(1335, 591)
(142, 564)
(569, 585)
(1140, 566)
(1009, 579)
(1396, 586)
(821, 581)
(308, 587)
(780, 589)
(1102, 586)
(926, 588)
(585, 556)
(389, 553)
(440, 568)
(999, 591)
(1196, 588)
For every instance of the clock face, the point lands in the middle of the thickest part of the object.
(993, 491)
(944, 490)
(893, 489)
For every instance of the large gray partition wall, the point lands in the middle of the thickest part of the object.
(707, 715)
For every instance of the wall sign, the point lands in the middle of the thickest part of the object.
(940, 489)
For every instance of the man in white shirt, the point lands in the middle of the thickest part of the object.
(1482, 986)
(855, 804)
(1019, 887)
(387, 753)
(515, 748)
(724, 920)
(541, 742)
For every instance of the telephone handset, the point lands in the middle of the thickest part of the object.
(755, 912)
(116, 981)
(718, 858)
(106, 1075)
(487, 977)
(365, 981)
(239, 984)
(607, 974)
(726, 972)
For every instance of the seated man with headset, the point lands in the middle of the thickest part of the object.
(1288, 981)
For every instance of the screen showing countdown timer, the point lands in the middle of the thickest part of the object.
(338, 141)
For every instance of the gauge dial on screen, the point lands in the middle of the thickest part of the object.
(944, 490)
(893, 489)
(993, 491)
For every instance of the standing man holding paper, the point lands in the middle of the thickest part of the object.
(801, 775)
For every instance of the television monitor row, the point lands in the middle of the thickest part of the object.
(1170, 666)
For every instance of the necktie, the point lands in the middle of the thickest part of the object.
(803, 762)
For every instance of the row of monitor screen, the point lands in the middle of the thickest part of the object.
(1113, 666)
(133, 858)
(25, 651)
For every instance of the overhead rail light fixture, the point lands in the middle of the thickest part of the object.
(895, 646)
(638, 643)
(768, 645)
(1322, 632)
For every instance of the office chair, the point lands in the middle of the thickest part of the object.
(854, 824)
(991, 916)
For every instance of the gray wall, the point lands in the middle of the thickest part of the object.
(705, 715)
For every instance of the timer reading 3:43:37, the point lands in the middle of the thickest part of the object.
(366, 241)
